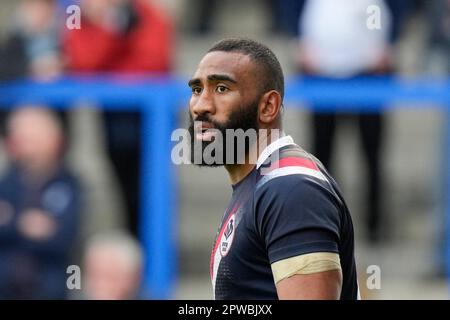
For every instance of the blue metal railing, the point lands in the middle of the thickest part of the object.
(160, 99)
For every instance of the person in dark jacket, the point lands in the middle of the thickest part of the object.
(131, 37)
(40, 204)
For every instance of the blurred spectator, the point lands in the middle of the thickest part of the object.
(439, 20)
(346, 48)
(205, 16)
(113, 263)
(439, 64)
(130, 36)
(32, 46)
(126, 36)
(284, 14)
(39, 208)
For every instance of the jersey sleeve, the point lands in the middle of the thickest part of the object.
(297, 215)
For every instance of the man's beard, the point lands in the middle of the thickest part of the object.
(244, 118)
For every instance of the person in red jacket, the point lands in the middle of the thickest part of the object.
(121, 36)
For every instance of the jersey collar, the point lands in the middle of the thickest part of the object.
(271, 148)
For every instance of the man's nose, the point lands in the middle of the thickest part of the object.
(204, 103)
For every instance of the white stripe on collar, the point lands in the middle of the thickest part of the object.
(271, 148)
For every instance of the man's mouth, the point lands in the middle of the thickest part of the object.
(204, 131)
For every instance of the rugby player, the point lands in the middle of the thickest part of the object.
(287, 232)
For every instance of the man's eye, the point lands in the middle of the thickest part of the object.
(196, 90)
(221, 89)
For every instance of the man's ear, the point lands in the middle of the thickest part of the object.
(269, 107)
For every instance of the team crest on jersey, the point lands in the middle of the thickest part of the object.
(227, 236)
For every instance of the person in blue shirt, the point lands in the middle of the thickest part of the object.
(40, 203)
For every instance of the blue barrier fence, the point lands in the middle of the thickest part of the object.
(160, 100)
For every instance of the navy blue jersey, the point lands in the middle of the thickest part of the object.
(287, 206)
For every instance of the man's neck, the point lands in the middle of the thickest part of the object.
(237, 172)
(38, 174)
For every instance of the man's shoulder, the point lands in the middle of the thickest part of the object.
(292, 186)
(288, 167)
(293, 174)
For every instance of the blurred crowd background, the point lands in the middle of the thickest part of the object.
(69, 188)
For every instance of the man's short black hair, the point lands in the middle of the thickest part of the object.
(272, 77)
